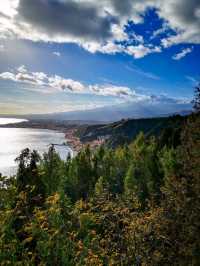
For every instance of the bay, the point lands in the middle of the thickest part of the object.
(14, 140)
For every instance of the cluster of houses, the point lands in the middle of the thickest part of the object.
(74, 142)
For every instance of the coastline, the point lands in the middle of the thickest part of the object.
(73, 142)
(14, 140)
(69, 130)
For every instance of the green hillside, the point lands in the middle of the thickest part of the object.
(134, 205)
(126, 130)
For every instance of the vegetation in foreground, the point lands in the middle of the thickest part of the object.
(135, 205)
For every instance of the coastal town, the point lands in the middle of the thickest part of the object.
(75, 143)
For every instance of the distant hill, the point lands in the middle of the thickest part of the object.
(116, 112)
(115, 133)
(126, 130)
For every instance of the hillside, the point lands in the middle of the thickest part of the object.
(134, 205)
(126, 130)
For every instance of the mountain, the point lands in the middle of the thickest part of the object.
(118, 112)
(115, 112)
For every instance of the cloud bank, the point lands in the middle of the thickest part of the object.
(44, 83)
(56, 83)
(99, 26)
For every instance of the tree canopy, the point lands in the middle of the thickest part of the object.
(137, 204)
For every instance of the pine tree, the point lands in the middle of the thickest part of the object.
(196, 101)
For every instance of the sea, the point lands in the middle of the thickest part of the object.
(14, 140)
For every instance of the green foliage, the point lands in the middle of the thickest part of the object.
(137, 204)
(101, 186)
(144, 176)
(124, 131)
(51, 168)
(196, 101)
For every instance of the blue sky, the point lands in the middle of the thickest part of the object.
(61, 55)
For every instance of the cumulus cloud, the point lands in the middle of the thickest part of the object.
(184, 17)
(107, 48)
(8, 76)
(58, 83)
(137, 51)
(141, 50)
(40, 79)
(99, 26)
(65, 84)
(182, 54)
(74, 18)
(44, 83)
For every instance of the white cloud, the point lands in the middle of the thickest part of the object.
(183, 17)
(42, 80)
(99, 26)
(141, 50)
(65, 84)
(137, 51)
(119, 33)
(182, 54)
(8, 8)
(111, 90)
(49, 84)
(108, 48)
(8, 75)
(44, 83)
(57, 54)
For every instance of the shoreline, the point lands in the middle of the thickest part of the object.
(69, 130)
(34, 139)
(71, 141)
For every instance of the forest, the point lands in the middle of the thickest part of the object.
(137, 204)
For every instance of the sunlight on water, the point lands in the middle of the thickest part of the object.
(4, 121)
(13, 140)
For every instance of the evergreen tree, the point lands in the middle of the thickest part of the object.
(51, 168)
(196, 101)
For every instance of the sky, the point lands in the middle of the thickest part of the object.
(69, 55)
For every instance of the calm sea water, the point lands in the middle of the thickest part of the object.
(13, 140)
